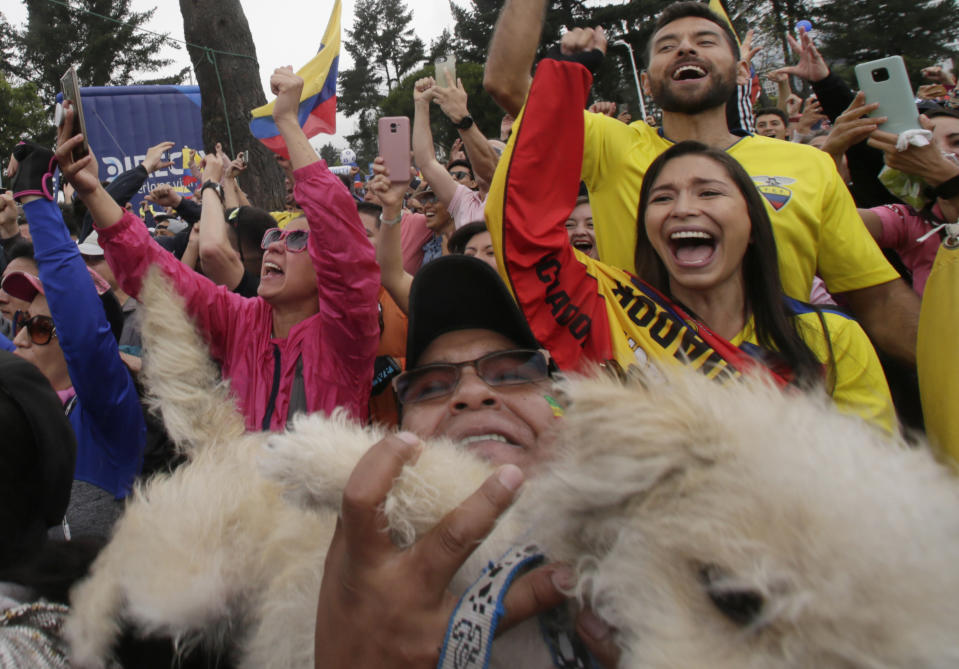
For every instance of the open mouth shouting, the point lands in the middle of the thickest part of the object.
(688, 71)
(271, 270)
(584, 244)
(692, 248)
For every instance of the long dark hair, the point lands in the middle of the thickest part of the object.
(775, 329)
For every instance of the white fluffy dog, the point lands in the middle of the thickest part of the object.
(722, 526)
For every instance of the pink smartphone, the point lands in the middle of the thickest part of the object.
(394, 143)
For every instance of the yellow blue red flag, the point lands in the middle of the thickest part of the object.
(717, 8)
(318, 101)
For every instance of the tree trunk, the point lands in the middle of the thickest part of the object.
(221, 25)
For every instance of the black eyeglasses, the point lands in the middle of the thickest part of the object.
(295, 239)
(460, 175)
(501, 368)
(40, 328)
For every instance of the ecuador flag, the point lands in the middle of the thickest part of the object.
(318, 101)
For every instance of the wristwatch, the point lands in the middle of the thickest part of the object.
(217, 188)
(465, 123)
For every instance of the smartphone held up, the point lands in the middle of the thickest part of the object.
(70, 86)
(394, 146)
(885, 81)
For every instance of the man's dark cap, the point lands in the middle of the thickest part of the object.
(54, 445)
(459, 292)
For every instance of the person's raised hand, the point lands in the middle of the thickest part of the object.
(213, 168)
(811, 65)
(811, 114)
(624, 116)
(793, 104)
(81, 174)
(165, 196)
(388, 193)
(154, 161)
(603, 107)
(371, 584)
(937, 74)
(931, 92)
(8, 212)
(423, 90)
(287, 86)
(452, 100)
(852, 126)
(747, 51)
(776, 76)
(579, 40)
(457, 152)
(926, 162)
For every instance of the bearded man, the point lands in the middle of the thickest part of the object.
(694, 65)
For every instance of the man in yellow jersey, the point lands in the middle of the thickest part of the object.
(694, 67)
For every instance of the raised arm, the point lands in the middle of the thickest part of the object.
(512, 52)
(389, 249)
(287, 86)
(82, 175)
(424, 153)
(345, 264)
(219, 261)
(452, 100)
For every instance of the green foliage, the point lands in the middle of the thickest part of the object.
(330, 154)
(105, 51)
(486, 114)
(921, 31)
(385, 50)
(22, 116)
(382, 42)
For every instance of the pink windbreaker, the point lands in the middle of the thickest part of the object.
(338, 344)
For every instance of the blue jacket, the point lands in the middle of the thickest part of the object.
(107, 417)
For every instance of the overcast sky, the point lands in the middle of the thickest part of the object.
(285, 32)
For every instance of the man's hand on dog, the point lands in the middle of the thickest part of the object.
(381, 606)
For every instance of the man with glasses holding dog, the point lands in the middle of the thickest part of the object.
(477, 376)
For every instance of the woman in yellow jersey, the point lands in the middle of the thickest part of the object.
(705, 240)
(721, 264)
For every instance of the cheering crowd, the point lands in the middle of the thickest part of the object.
(797, 251)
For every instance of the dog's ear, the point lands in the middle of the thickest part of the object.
(741, 605)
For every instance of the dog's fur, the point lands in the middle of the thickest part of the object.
(711, 525)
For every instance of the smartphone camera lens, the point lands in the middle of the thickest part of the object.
(880, 74)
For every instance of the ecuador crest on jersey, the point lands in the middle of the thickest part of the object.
(775, 190)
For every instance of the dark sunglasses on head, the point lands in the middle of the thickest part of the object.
(295, 239)
(501, 368)
(40, 328)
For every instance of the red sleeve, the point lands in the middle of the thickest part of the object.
(130, 251)
(532, 195)
(348, 278)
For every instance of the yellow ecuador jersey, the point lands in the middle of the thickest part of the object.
(815, 222)
(937, 357)
(856, 381)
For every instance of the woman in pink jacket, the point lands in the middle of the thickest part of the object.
(308, 340)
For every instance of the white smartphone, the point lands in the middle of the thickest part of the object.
(885, 81)
(446, 71)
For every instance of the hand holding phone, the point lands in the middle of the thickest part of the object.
(71, 92)
(886, 82)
